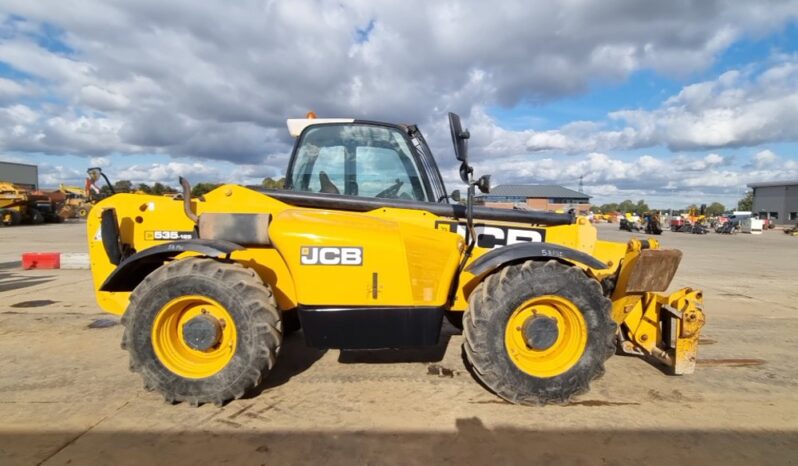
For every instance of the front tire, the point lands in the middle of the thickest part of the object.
(538, 333)
(11, 218)
(202, 331)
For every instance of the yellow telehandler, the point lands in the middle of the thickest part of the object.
(365, 245)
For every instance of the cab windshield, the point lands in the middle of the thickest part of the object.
(356, 160)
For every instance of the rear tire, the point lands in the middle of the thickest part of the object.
(575, 358)
(181, 373)
(36, 217)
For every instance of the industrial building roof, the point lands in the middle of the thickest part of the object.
(770, 184)
(17, 163)
(536, 191)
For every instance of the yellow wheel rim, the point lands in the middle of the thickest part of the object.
(170, 345)
(566, 349)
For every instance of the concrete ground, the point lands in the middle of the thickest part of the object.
(66, 396)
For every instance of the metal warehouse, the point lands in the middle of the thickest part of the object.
(20, 173)
(776, 200)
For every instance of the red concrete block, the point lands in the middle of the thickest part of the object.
(41, 260)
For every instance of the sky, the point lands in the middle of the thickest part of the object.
(676, 102)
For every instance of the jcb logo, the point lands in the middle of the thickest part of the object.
(330, 255)
(496, 236)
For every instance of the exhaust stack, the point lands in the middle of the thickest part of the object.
(187, 199)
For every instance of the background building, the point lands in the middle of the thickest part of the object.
(777, 201)
(20, 173)
(536, 197)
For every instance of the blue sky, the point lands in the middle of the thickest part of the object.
(676, 104)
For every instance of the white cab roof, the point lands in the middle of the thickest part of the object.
(297, 125)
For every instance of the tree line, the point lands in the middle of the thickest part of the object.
(640, 207)
(160, 189)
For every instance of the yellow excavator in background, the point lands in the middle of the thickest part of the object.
(20, 205)
(76, 202)
(697, 216)
(79, 201)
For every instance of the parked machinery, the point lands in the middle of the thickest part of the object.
(727, 228)
(629, 222)
(20, 205)
(651, 223)
(366, 247)
(694, 221)
(76, 202)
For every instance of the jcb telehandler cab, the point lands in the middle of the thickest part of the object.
(367, 248)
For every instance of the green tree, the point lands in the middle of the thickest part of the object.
(270, 183)
(641, 207)
(607, 208)
(203, 188)
(626, 206)
(715, 209)
(145, 188)
(123, 186)
(747, 202)
(158, 189)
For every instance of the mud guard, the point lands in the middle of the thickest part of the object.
(132, 270)
(491, 261)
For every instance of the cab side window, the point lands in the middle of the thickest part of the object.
(324, 162)
(357, 160)
(374, 167)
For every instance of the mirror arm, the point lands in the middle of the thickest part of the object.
(108, 182)
(471, 235)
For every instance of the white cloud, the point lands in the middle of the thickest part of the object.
(102, 99)
(53, 175)
(103, 162)
(711, 160)
(10, 89)
(737, 109)
(764, 159)
(602, 190)
(167, 173)
(216, 80)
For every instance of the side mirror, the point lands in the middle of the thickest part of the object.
(455, 196)
(459, 137)
(483, 183)
(94, 173)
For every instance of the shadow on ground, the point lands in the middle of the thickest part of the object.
(12, 279)
(433, 353)
(470, 443)
(295, 358)
(10, 265)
